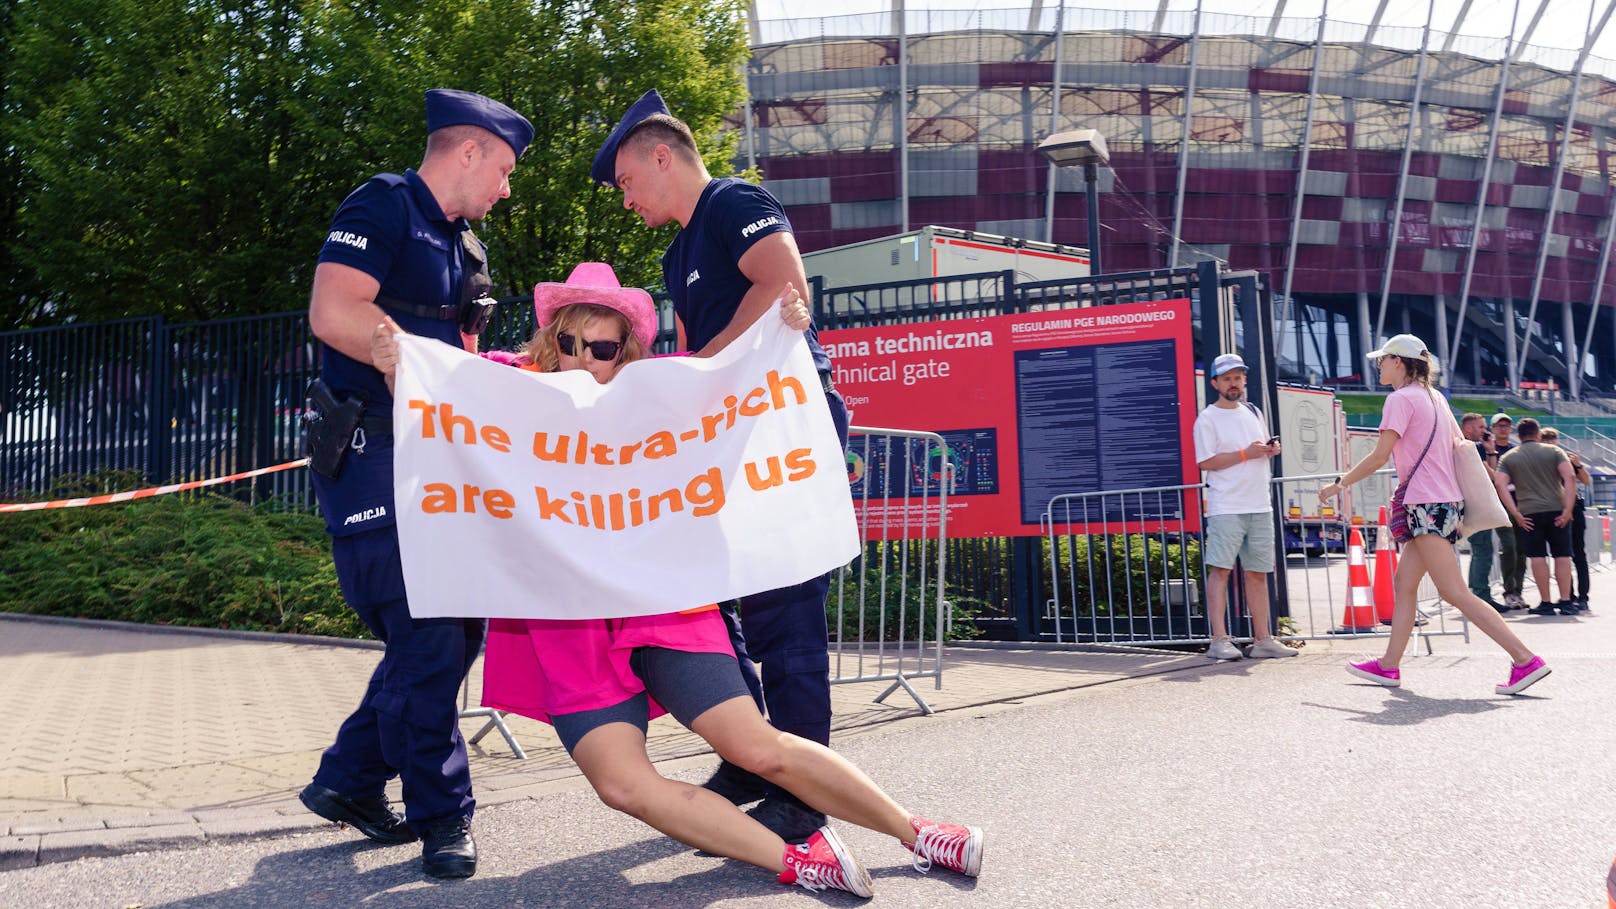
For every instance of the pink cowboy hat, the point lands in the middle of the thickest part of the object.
(596, 282)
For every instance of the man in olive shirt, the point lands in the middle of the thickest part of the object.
(1545, 493)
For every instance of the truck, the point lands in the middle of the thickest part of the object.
(938, 252)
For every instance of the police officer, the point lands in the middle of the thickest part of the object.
(733, 255)
(400, 245)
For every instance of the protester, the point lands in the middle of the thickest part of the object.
(1511, 557)
(401, 246)
(1232, 445)
(1481, 544)
(599, 681)
(733, 252)
(1545, 498)
(1418, 429)
(1579, 519)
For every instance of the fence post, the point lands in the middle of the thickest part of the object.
(1026, 573)
(162, 402)
(823, 316)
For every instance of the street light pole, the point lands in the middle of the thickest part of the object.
(1091, 189)
(1085, 147)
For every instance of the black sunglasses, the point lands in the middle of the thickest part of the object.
(603, 350)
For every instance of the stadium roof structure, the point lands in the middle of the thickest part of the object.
(1361, 165)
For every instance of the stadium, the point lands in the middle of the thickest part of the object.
(1383, 179)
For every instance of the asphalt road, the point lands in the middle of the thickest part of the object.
(1274, 784)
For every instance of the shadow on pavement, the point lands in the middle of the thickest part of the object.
(327, 876)
(1405, 708)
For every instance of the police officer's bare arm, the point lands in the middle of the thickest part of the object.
(772, 263)
(343, 310)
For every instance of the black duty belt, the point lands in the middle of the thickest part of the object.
(419, 310)
(377, 422)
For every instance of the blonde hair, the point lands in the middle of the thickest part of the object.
(1421, 369)
(544, 350)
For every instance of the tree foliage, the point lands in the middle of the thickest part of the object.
(184, 157)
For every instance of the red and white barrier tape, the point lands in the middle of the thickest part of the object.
(153, 491)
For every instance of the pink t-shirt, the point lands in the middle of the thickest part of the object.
(540, 667)
(1409, 412)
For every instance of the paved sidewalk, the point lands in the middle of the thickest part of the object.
(127, 738)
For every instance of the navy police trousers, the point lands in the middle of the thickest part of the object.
(408, 723)
(786, 631)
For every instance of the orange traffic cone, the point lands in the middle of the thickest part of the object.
(1385, 570)
(1359, 616)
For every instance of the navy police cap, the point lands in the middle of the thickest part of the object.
(605, 167)
(451, 107)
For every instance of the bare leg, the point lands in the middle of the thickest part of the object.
(1405, 598)
(613, 759)
(1562, 577)
(1540, 577)
(1257, 604)
(819, 776)
(1217, 599)
(1430, 553)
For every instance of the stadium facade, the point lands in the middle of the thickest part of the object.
(1388, 179)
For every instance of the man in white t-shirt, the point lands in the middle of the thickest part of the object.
(1232, 446)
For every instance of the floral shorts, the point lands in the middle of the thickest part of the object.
(1440, 518)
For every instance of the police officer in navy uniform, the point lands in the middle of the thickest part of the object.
(400, 246)
(733, 255)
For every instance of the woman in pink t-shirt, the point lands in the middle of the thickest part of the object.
(1418, 431)
(599, 681)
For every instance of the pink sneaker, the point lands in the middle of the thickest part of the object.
(1523, 677)
(954, 847)
(1374, 672)
(825, 861)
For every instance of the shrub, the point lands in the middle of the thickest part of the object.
(890, 573)
(198, 560)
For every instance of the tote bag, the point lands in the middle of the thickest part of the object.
(1482, 508)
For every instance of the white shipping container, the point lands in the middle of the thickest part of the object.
(938, 252)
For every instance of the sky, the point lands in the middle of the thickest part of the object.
(1562, 23)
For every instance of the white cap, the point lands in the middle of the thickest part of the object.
(1402, 346)
(1225, 363)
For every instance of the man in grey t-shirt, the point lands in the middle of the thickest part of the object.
(1545, 493)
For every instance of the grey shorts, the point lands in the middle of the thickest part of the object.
(687, 685)
(1248, 537)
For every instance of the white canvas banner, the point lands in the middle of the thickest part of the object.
(681, 482)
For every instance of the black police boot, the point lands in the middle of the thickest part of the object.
(374, 816)
(787, 817)
(738, 785)
(447, 849)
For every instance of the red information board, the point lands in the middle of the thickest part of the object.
(1031, 406)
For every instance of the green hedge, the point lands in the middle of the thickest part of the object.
(197, 560)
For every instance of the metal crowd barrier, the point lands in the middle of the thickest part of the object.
(887, 608)
(1125, 568)
(1122, 577)
(1314, 556)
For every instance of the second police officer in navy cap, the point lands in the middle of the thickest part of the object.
(734, 254)
(400, 246)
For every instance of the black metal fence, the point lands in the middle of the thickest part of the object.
(181, 402)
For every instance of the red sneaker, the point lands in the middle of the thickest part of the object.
(950, 845)
(824, 861)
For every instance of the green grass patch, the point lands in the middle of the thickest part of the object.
(1364, 403)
